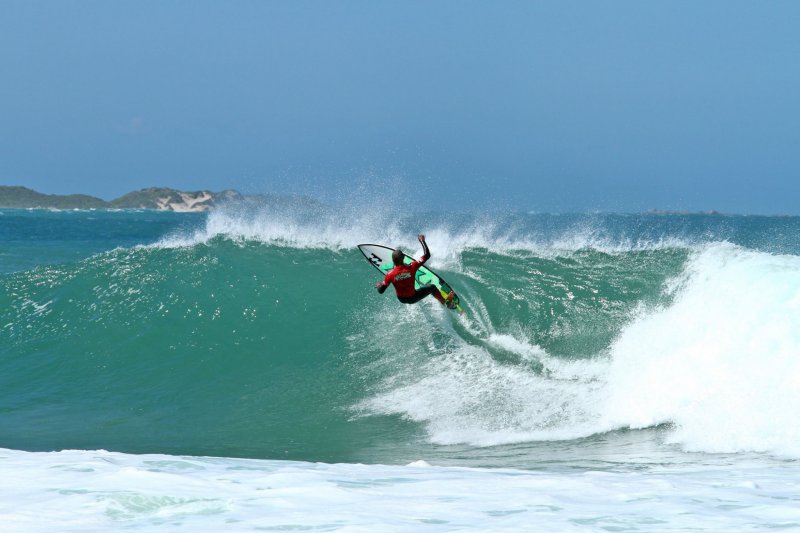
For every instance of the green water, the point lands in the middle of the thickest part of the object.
(240, 344)
(247, 349)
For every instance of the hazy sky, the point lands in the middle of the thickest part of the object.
(536, 105)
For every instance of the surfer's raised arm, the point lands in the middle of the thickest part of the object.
(426, 253)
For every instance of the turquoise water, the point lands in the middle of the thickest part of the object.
(31, 238)
(259, 334)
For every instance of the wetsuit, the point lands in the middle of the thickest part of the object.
(402, 277)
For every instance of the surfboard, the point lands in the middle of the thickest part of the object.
(381, 258)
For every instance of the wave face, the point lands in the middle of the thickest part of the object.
(257, 333)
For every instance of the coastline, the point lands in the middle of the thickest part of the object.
(153, 198)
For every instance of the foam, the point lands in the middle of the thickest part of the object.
(465, 396)
(723, 362)
(98, 490)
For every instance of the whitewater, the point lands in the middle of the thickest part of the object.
(613, 372)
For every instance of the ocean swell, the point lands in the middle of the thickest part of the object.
(258, 333)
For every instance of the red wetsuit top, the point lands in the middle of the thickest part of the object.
(403, 278)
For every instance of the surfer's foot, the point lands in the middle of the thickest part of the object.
(449, 297)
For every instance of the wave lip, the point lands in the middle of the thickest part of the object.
(326, 227)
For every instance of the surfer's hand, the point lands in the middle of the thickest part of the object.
(421, 237)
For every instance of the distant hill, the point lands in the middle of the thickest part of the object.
(23, 197)
(158, 198)
(164, 199)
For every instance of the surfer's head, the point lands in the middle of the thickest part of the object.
(397, 257)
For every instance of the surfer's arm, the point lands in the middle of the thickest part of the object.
(426, 253)
(387, 280)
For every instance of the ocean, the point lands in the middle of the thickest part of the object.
(237, 370)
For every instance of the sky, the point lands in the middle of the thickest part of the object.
(547, 106)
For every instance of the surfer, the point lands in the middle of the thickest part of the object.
(402, 277)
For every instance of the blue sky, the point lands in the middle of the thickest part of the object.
(546, 106)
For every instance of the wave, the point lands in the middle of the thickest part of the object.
(719, 362)
(258, 334)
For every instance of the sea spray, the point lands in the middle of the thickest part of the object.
(300, 224)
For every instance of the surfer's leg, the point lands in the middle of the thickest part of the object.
(422, 292)
(425, 290)
(446, 300)
(437, 294)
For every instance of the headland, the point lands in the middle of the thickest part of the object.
(157, 198)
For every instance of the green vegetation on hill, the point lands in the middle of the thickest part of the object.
(22, 197)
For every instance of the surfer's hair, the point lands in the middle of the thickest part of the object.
(397, 257)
